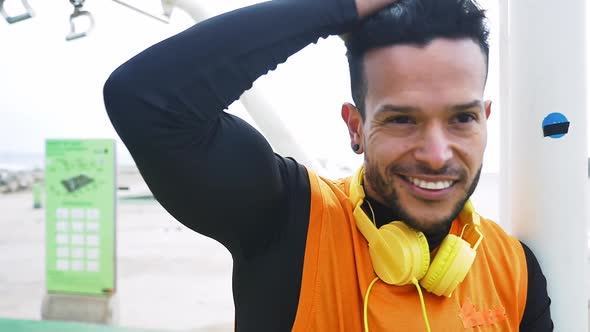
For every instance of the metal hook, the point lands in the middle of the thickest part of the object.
(78, 12)
(13, 19)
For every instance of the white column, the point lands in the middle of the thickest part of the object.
(543, 194)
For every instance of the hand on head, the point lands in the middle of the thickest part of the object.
(368, 7)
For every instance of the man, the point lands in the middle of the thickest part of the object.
(308, 255)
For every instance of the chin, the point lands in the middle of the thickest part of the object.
(437, 220)
(429, 226)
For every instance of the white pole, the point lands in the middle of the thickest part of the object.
(543, 194)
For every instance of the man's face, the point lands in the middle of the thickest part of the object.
(424, 132)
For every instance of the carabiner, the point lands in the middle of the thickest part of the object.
(13, 19)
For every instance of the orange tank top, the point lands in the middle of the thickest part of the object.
(337, 272)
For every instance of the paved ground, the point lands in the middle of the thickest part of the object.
(168, 276)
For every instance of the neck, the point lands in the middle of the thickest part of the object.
(385, 215)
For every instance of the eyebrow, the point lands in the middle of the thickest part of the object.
(464, 107)
(410, 109)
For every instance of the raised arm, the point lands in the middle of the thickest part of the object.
(211, 170)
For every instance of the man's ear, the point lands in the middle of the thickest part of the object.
(488, 108)
(354, 122)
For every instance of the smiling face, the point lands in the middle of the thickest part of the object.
(424, 130)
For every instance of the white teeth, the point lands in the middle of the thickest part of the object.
(431, 185)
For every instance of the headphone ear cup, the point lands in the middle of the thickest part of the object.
(449, 267)
(399, 254)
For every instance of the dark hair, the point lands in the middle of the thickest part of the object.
(415, 22)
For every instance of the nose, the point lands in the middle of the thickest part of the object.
(435, 148)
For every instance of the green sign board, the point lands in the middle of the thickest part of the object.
(80, 194)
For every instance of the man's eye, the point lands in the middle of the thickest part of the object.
(402, 119)
(465, 117)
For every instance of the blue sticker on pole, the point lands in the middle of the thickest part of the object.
(555, 125)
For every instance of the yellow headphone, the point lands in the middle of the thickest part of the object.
(400, 254)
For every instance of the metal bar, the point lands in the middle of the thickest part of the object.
(141, 11)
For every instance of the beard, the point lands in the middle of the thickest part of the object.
(383, 185)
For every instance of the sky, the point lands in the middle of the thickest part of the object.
(50, 88)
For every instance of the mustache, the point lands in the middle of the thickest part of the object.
(423, 169)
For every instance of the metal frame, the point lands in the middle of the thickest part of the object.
(164, 17)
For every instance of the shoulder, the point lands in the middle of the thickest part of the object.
(510, 252)
(503, 249)
(329, 199)
(496, 234)
(335, 188)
